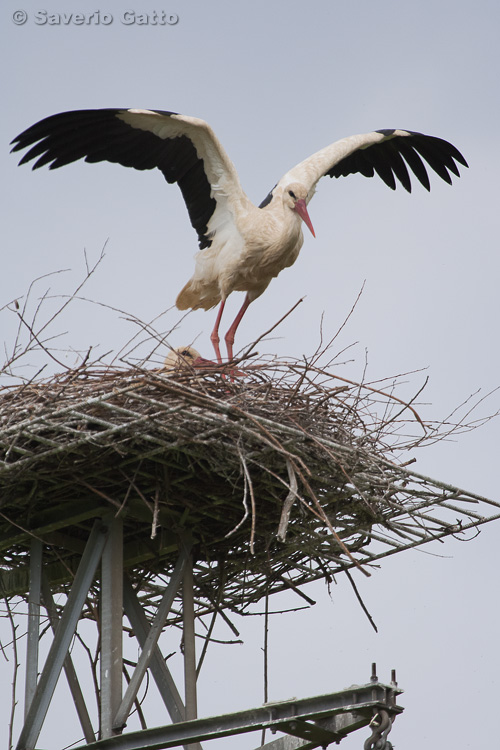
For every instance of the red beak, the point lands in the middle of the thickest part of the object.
(301, 209)
(201, 362)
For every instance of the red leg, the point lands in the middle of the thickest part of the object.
(214, 336)
(229, 338)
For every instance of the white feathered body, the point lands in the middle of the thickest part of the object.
(250, 248)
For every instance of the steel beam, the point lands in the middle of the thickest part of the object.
(160, 671)
(74, 685)
(111, 627)
(51, 518)
(189, 641)
(62, 639)
(33, 623)
(287, 743)
(150, 642)
(274, 716)
(306, 735)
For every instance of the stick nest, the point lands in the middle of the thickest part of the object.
(277, 478)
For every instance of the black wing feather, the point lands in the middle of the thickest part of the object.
(387, 158)
(382, 166)
(99, 135)
(398, 166)
(415, 163)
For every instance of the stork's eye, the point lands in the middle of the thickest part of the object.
(186, 353)
(292, 195)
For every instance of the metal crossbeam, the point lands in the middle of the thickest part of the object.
(320, 733)
(151, 641)
(359, 700)
(287, 743)
(189, 641)
(62, 639)
(111, 627)
(73, 683)
(33, 623)
(159, 670)
(306, 734)
(307, 730)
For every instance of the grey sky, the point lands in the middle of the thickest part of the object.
(277, 81)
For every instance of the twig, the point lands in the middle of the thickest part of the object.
(270, 330)
(248, 481)
(382, 393)
(358, 597)
(156, 511)
(322, 349)
(245, 506)
(288, 502)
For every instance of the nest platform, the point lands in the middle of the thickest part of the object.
(278, 478)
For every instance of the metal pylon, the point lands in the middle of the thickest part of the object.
(105, 546)
(306, 723)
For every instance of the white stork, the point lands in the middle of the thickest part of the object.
(242, 246)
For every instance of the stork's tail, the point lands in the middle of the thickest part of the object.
(194, 296)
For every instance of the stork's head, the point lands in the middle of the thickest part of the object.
(182, 358)
(295, 196)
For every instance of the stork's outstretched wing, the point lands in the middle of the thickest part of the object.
(184, 149)
(387, 153)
